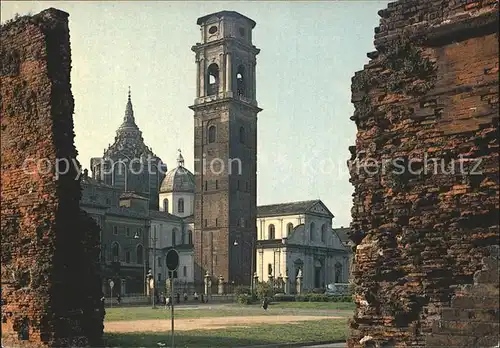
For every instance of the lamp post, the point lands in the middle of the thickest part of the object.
(252, 246)
(153, 239)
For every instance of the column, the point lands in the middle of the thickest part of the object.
(229, 73)
(201, 82)
(254, 85)
(198, 61)
(223, 70)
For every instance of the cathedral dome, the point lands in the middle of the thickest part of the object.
(178, 179)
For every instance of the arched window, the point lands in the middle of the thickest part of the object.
(180, 205)
(103, 253)
(240, 81)
(190, 237)
(242, 135)
(311, 231)
(289, 229)
(139, 254)
(338, 272)
(174, 232)
(212, 134)
(271, 232)
(323, 233)
(165, 205)
(183, 237)
(213, 79)
(115, 251)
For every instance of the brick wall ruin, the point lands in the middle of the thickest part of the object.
(425, 230)
(50, 281)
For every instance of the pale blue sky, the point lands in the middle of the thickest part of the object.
(309, 52)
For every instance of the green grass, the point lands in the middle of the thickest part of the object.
(283, 308)
(304, 331)
(316, 305)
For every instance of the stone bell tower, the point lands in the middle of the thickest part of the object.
(225, 147)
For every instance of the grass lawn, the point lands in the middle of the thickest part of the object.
(315, 305)
(305, 331)
(285, 308)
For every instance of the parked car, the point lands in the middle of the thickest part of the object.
(337, 289)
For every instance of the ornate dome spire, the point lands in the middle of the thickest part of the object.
(180, 159)
(128, 119)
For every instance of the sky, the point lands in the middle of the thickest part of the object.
(309, 53)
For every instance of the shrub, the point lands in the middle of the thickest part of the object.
(241, 289)
(284, 298)
(245, 299)
(264, 290)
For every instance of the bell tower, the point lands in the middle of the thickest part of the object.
(225, 148)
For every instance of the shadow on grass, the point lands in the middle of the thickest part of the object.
(237, 336)
(150, 339)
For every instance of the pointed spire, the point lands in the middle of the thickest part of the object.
(129, 111)
(180, 159)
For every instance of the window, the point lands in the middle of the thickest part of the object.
(338, 272)
(128, 232)
(159, 277)
(190, 237)
(216, 184)
(242, 135)
(216, 222)
(206, 222)
(213, 79)
(180, 205)
(211, 134)
(242, 32)
(212, 30)
(115, 230)
(238, 185)
(115, 250)
(184, 271)
(174, 232)
(271, 232)
(159, 262)
(246, 186)
(323, 233)
(103, 253)
(108, 201)
(240, 81)
(289, 229)
(311, 231)
(127, 257)
(139, 254)
(165, 205)
(206, 185)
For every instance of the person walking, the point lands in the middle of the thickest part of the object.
(118, 299)
(265, 303)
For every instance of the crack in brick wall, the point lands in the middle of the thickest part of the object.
(430, 91)
(50, 275)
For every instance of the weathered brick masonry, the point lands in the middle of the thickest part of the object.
(50, 279)
(426, 271)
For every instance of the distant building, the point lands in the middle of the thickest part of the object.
(298, 236)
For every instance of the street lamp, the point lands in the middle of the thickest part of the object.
(252, 246)
(153, 240)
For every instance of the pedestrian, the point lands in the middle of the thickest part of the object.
(185, 297)
(265, 303)
(178, 298)
(202, 299)
(118, 299)
(163, 299)
(195, 296)
(167, 302)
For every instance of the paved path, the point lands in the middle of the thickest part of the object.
(332, 345)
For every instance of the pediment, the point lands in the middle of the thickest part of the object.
(319, 208)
